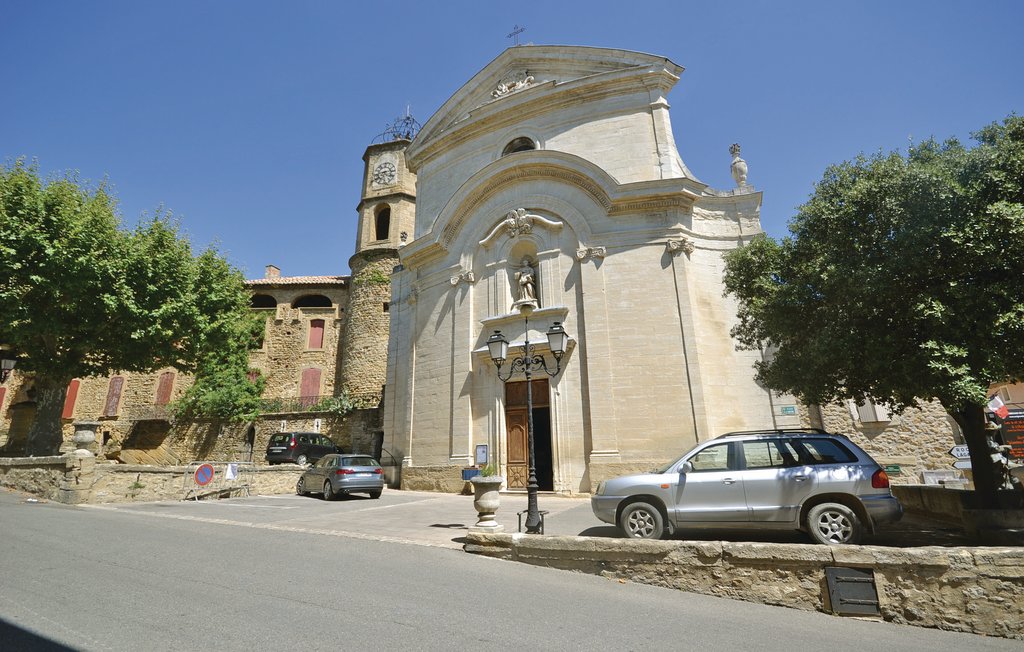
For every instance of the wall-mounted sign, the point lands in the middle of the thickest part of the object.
(481, 454)
(960, 452)
(962, 464)
(788, 410)
(893, 469)
(1012, 433)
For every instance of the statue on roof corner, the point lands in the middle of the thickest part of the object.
(739, 166)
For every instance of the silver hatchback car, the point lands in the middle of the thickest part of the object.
(339, 475)
(806, 480)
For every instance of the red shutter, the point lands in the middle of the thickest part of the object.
(113, 396)
(316, 334)
(163, 390)
(310, 388)
(69, 400)
(3, 393)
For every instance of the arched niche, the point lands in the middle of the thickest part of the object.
(312, 301)
(263, 302)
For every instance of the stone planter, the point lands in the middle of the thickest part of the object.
(486, 500)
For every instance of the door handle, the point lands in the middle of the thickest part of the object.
(799, 478)
(728, 481)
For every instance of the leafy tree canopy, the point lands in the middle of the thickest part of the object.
(902, 280)
(82, 296)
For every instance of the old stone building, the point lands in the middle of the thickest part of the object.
(324, 348)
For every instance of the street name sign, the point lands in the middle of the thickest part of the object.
(962, 464)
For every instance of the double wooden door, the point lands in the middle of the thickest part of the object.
(518, 453)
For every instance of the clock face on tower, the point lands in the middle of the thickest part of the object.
(384, 173)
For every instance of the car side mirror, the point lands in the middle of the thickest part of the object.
(686, 467)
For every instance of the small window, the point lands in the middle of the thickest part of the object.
(387, 306)
(521, 144)
(316, 334)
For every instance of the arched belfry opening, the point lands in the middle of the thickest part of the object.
(382, 223)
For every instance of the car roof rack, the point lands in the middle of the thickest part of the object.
(775, 431)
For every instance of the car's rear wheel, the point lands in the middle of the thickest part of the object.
(329, 491)
(375, 494)
(300, 487)
(642, 521)
(834, 523)
(301, 460)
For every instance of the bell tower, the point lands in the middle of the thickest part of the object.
(387, 213)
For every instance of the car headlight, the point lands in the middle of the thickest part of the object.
(600, 489)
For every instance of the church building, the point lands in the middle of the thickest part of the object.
(551, 194)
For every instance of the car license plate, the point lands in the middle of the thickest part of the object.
(276, 450)
(363, 475)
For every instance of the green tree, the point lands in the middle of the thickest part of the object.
(902, 281)
(82, 296)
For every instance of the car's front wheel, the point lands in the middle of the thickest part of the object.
(834, 523)
(642, 521)
(329, 491)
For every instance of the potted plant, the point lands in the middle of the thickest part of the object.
(486, 499)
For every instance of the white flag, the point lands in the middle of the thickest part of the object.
(232, 472)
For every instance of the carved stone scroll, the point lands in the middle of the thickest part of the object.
(682, 245)
(584, 253)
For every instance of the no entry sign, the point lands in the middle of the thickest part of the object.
(204, 474)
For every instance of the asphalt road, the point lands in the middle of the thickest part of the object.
(296, 574)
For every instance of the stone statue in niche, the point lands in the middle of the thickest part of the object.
(739, 166)
(526, 285)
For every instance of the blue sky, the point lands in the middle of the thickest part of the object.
(248, 119)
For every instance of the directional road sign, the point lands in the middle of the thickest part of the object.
(960, 452)
(962, 464)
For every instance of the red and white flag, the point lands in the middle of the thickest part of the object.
(998, 407)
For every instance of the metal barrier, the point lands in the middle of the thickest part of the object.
(205, 478)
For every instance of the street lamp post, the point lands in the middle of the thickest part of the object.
(528, 363)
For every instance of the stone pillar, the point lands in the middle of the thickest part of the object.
(79, 476)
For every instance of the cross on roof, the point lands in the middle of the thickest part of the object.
(514, 34)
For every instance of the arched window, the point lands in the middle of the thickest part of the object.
(383, 223)
(521, 144)
(263, 301)
(312, 301)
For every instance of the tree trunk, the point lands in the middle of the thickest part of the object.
(987, 480)
(46, 434)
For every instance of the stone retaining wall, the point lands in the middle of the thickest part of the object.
(979, 590)
(72, 480)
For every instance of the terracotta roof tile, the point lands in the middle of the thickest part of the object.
(300, 280)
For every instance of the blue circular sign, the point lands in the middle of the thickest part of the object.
(204, 474)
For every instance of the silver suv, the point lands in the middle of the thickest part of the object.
(804, 479)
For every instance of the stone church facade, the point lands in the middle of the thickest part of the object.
(562, 160)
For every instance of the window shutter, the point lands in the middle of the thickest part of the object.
(309, 390)
(70, 398)
(316, 334)
(164, 388)
(3, 394)
(113, 396)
